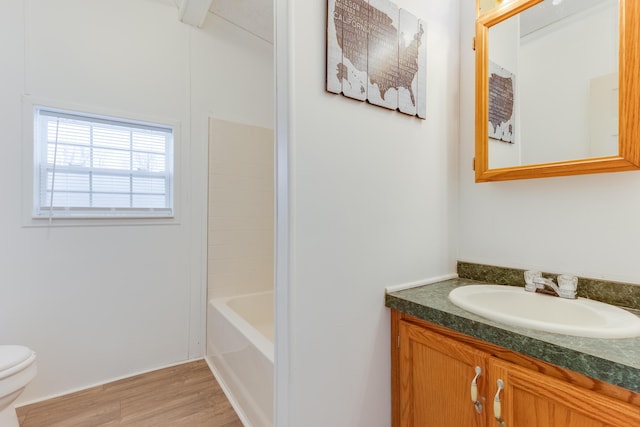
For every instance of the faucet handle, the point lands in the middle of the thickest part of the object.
(529, 279)
(568, 285)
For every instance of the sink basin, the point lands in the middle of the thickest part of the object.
(515, 306)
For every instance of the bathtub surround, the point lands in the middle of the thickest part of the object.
(240, 215)
(616, 293)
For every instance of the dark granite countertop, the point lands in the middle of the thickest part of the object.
(615, 361)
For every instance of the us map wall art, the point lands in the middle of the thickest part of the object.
(377, 52)
(502, 88)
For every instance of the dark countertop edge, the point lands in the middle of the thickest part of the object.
(606, 370)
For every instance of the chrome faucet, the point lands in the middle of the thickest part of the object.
(542, 283)
(567, 289)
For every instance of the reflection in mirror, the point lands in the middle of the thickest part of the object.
(553, 83)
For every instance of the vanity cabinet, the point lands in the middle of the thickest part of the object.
(435, 374)
(433, 370)
(531, 399)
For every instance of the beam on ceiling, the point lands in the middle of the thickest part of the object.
(194, 12)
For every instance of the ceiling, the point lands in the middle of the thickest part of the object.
(548, 12)
(254, 16)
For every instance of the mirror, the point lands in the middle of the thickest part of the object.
(557, 89)
(553, 83)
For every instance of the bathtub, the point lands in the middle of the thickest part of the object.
(240, 353)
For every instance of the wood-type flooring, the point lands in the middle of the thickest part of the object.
(183, 395)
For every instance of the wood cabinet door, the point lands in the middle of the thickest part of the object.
(436, 373)
(532, 399)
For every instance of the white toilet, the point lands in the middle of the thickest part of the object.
(17, 369)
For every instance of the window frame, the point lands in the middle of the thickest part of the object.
(31, 174)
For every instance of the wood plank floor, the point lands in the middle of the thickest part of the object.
(183, 395)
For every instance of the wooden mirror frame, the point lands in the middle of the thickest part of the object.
(628, 157)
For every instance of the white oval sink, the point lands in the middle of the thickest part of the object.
(515, 306)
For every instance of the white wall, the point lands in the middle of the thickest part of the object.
(373, 196)
(240, 217)
(101, 302)
(584, 225)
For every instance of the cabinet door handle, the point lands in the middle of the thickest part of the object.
(497, 406)
(474, 390)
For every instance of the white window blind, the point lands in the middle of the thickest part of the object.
(94, 166)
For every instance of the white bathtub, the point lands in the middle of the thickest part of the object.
(240, 353)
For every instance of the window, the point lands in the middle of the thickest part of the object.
(102, 167)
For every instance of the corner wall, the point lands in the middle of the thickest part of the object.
(101, 302)
(372, 203)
